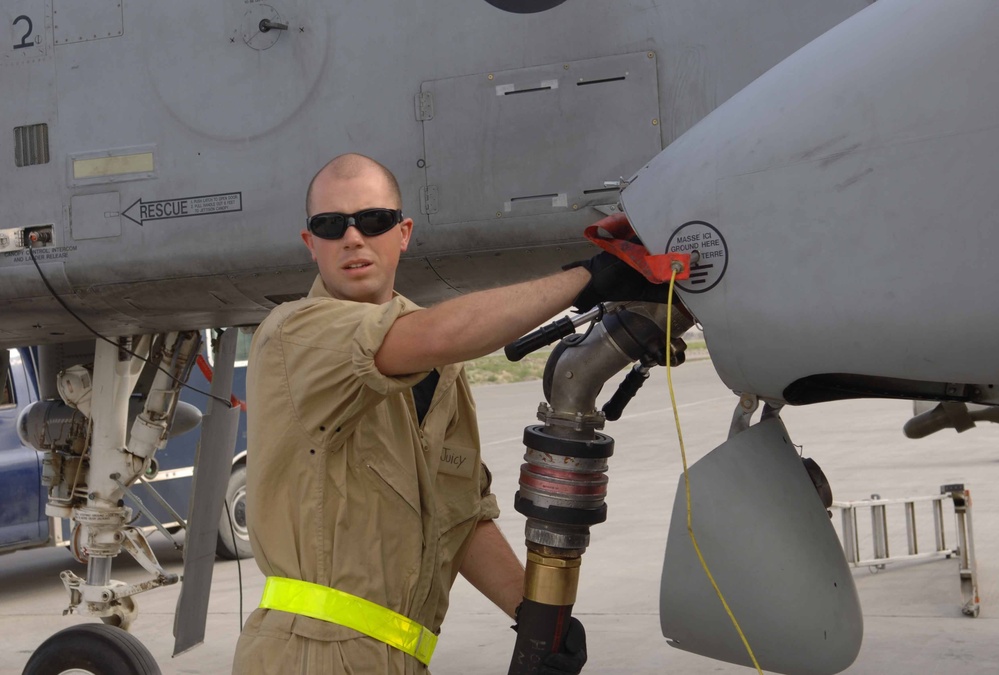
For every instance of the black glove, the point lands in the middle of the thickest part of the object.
(572, 657)
(613, 279)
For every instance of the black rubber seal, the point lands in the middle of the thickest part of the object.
(536, 439)
(559, 514)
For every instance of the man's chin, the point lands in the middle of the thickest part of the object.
(356, 291)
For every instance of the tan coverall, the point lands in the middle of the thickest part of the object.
(346, 489)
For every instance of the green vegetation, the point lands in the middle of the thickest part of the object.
(496, 369)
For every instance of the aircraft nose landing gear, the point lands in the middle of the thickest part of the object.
(88, 476)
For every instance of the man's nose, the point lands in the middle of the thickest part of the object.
(352, 236)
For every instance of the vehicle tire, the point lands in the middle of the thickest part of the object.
(235, 498)
(94, 649)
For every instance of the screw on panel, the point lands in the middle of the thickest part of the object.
(565, 67)
(499, 215)
(490, 76)
(652, 55)
(655, 123)
(575, 207)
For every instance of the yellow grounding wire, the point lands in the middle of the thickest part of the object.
(686, 478)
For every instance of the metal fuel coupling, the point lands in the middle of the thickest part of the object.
(550, 580)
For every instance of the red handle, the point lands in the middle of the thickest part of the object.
(206, 370)
(655, 268)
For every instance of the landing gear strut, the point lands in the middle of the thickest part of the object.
(91, 459)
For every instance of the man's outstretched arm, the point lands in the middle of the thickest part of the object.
(476, 324)
(491, 566)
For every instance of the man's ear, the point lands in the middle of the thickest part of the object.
(406, 227)
(307, 238)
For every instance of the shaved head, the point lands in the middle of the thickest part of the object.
(356, 266)
(349, 167)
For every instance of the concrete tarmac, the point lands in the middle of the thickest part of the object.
(912, 611)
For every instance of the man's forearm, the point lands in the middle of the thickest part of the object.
(476, 324)
(491, 566)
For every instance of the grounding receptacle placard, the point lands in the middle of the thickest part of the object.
(713, 254)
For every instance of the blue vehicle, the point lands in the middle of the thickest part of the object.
(164, 492)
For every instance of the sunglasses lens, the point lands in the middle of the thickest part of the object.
(328, 225)
(376, 221)
(370, 223)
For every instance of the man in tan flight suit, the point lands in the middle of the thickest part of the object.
(364, 478)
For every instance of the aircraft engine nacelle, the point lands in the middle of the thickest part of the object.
(844, 210)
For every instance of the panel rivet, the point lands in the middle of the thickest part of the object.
(655, 123)
(490, 76)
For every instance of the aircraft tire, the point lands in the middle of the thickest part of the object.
(92, 648)
(235, 498)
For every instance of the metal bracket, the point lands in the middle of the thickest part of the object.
(112, 602)
(135, 543)
(748, 403)
(607, 209)
(149, 514)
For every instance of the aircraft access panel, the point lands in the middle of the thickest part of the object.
(539, 140)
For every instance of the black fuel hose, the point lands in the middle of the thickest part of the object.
(541, 630)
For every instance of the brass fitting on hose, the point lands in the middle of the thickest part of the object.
(551, 580)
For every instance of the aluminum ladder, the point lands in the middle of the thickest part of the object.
(964, 549)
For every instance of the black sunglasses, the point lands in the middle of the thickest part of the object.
(370, 222)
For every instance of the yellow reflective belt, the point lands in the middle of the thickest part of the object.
(329, 604)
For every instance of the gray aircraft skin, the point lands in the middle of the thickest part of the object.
(180, 139)
(840, 207)
(844, 213)
(850, 192)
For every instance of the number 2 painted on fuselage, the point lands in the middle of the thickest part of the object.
(24, 38)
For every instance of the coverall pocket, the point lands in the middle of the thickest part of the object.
(402, 486)
(457, 501)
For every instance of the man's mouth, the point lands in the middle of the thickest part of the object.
(356, 265)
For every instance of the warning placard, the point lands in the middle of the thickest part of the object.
(141, 212)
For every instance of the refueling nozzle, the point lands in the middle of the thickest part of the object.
(563, 481)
